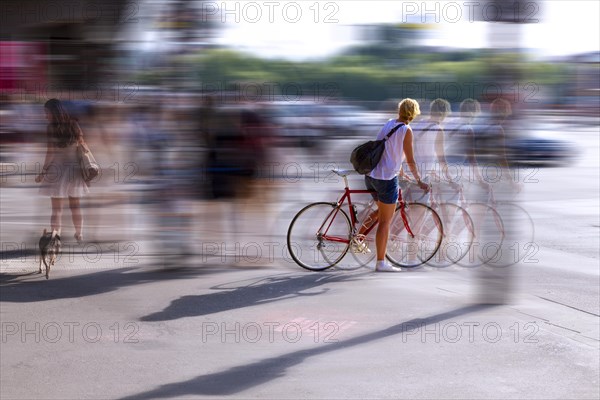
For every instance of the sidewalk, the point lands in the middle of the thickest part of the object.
(277, 333)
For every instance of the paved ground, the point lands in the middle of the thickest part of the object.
(120, 319)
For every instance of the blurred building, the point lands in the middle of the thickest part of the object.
(394, 36)
(586, 88)
(85, 44)
(70, 43)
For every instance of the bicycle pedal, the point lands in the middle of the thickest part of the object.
(361, 248)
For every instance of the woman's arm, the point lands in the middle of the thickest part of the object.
(440, 151)
(48, 159)
(410, 159)
(79, 135)
(505, 165)
(503, 158)
(472, 158)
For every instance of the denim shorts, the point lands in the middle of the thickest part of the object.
(385, 191)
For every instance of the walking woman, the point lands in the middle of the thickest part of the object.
(384, 178)
(61, 176)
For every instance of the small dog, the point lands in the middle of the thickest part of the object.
(50, 249)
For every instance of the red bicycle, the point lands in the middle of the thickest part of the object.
(322, 233)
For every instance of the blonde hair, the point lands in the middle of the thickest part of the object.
(408, 109)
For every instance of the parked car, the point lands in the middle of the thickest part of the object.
(539, 151)
(531, 143)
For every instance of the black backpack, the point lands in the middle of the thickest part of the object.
(365, 157)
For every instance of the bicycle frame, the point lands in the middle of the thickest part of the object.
(435, 203)
(492, 202)
(347, 196)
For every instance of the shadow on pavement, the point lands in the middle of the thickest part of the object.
(240, 378)
(18, 291)
(258, 292)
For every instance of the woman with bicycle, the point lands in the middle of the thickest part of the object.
(384, 178)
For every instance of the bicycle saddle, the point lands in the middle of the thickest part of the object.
(344, 172)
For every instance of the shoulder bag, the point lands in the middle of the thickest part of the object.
(365, 157)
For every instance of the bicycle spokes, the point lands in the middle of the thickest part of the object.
(319, 236)
(415, 235)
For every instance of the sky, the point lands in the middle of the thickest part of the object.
(311, 29)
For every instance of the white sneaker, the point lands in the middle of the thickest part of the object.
(383, 266)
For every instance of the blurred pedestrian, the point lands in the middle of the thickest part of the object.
(460, 139)
(61, 176)
(429, 141)
(495, 282)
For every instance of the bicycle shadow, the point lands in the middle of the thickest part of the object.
(243, 377)
(273, 288)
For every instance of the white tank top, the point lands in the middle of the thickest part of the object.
(391, 161)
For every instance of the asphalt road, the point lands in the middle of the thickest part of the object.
(122, 318)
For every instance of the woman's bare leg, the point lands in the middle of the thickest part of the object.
(56, 218)
(76, 216)
(385, 213)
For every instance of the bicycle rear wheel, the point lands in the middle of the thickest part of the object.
(459, 233)
(319, 236)
(412, 247)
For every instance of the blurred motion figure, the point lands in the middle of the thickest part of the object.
(61, 176)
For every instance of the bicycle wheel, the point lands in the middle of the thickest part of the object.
(488, 236)
(459, 233)
(319, 236)
(410, 249)
(518, 235)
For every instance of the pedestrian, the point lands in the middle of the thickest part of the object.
(384, 178)
(61, 176)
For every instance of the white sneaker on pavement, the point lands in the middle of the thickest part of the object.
(383, 266)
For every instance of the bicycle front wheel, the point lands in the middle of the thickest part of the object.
(518, 233)
(459, 233)
(415, 235)
(488, 236)
(319, 236)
